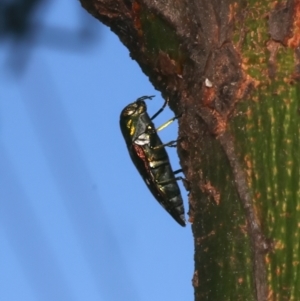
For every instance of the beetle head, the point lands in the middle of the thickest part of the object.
(134, 119)
(134, 109)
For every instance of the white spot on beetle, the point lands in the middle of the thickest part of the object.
(142, 139)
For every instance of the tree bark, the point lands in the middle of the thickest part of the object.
(232, 69)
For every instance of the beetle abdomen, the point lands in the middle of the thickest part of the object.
(168, 194)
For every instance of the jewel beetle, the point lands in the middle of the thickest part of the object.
(150, 157)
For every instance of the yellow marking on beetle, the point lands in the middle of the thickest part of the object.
(129, 123)
(132, 128)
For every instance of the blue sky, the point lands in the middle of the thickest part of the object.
(76, 220)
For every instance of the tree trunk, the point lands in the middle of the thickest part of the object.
(232, 68)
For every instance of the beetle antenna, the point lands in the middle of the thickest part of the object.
(145, 97)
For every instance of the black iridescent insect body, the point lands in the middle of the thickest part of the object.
(149, 155)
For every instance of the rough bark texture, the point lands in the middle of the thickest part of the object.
(232, 69)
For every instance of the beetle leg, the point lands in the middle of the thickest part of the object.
(174, 179)
(177, 171)
(171, 180)
(160, 110)
(172, 143)
(164, 125)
